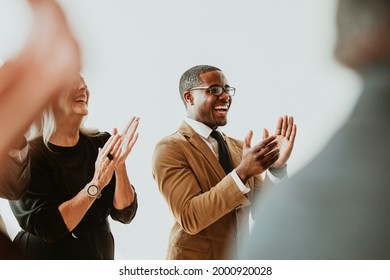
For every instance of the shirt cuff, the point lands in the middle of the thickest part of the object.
(244, 189)
(277, 175)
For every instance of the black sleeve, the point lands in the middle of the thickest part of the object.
(126, 215)
(37, 211)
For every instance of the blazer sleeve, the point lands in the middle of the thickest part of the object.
(192, 207)
(14, 177)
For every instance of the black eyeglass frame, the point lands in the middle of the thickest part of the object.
(225, 89)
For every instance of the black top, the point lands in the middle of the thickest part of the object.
(57, 175)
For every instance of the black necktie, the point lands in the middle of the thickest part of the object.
(223, 153)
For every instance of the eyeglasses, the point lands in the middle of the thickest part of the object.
(217, 90)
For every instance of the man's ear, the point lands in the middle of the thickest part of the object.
(188, 98)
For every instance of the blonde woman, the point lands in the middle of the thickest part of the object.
(78, 179)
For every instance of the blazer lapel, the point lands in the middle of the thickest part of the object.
(197, 142)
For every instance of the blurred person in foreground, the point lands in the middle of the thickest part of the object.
(207, 178)
(338, 206)
(48, 63)
(78, 179)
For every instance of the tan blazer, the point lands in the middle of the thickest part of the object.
(206, 204)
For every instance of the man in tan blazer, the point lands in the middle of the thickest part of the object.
(207, 202)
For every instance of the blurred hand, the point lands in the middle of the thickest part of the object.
(48, 63)
(51, 41)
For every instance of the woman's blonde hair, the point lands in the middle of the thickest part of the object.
(45, 126)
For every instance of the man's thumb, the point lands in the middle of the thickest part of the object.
(265, 133)
(248, 139)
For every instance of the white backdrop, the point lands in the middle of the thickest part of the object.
(278, 54)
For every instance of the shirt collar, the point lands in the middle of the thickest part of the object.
(200, 128)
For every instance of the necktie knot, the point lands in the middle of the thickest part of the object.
(223, 153)
(216, 135)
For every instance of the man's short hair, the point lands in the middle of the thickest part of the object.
(191, 78)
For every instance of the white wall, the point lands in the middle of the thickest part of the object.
(278, 54)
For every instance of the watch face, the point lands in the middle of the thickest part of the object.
(92, 190)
